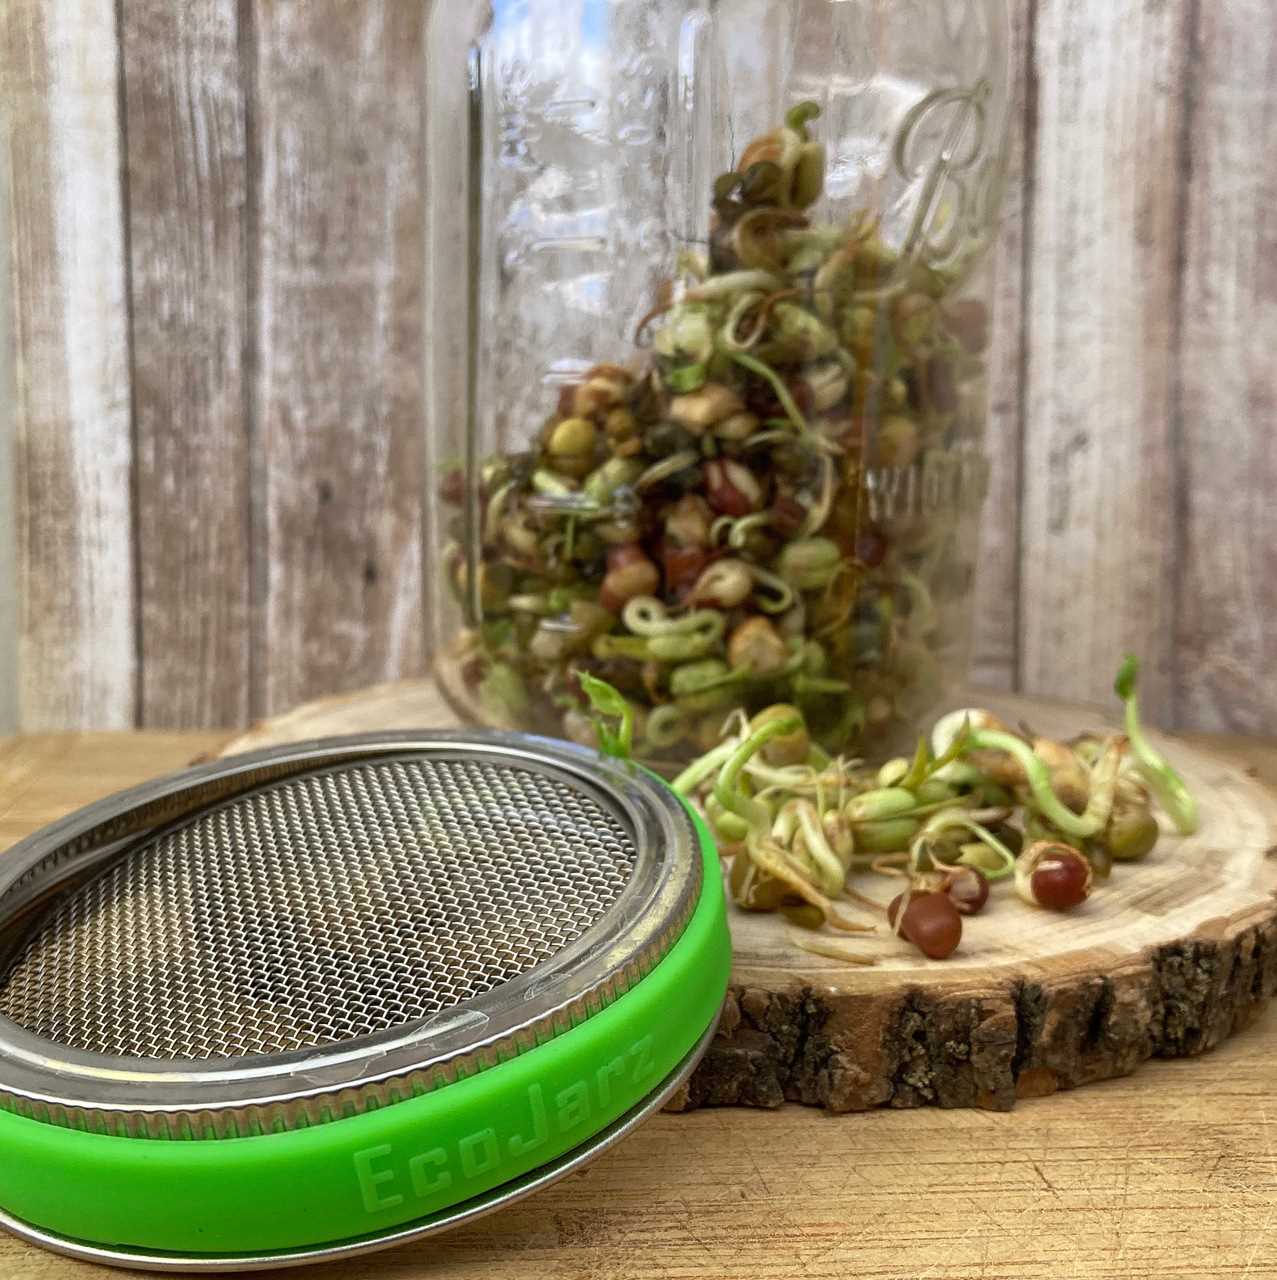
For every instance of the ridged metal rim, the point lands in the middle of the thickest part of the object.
(126, 1097)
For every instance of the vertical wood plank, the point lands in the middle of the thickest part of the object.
(1097, 552)
(8, 526)
(1227, 656)
(59, 80)
(187, 184)
(338, 401)
(995, 643)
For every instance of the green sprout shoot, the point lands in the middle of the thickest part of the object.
(608, 701)
(728, 791)
(1169, 788)
(925, 767)
(949, 820)
(1100, 805)
(696, 772)
(799, 116)
(769, 375)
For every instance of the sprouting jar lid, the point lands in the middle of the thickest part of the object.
(279, 940)
(328, 998)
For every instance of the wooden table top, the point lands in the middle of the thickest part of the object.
(1171, 1173)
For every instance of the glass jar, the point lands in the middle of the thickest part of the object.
(707, 373)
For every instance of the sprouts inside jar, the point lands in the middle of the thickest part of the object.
(772, 500)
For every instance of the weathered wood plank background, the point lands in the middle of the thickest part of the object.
(209, 454)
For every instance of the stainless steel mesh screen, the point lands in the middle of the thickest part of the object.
(322, 909)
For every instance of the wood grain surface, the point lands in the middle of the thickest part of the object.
(9, 693)
(1226, 650)
(1097, 534)
(70, 414)
(996, 630)
(1167, 1175)
(337, 595)
(1168, 959)
(187, 176)
(221, 519)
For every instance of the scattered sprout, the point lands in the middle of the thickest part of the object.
(1169, 788)
(1052, 875)
(798, 825)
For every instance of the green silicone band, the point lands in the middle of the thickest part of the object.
(374, 1172)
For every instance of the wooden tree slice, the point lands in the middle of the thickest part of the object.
(1168, 958)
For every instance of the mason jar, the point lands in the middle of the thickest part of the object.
(707, 358)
